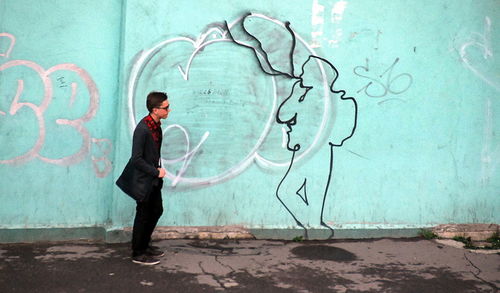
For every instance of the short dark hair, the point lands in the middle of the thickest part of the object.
(155, 99)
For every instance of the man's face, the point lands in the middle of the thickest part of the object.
(163, 110)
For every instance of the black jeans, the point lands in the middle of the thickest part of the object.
(146, 217)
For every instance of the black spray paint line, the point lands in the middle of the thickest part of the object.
(261, 50)
(306, 236)
(292, 121)
(301, 190)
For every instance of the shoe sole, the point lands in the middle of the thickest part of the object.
(146, 263)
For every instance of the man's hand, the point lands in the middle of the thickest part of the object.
(162, 173)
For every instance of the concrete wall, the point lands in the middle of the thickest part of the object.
(406, 138)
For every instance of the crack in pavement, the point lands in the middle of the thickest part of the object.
(476, 275)
(221, 285)
(224, 265)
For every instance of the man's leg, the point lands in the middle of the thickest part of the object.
(155, 210)
(140, 230)
(141, 235)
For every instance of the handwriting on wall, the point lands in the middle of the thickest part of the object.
(41, 104)
(380, 85)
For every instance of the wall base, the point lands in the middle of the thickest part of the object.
(206, 232)
(51, 234)
(322, 234)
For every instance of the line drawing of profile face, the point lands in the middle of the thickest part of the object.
(294, 108)
(285, 116)
(281, 52)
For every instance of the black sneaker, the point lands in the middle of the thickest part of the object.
(153, 246)
(145, 259)
(154, 251)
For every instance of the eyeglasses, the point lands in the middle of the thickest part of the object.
(164, 108)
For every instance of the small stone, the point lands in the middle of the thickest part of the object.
(146, 283)
(230, 284)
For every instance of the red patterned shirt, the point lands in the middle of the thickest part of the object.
(155, 128)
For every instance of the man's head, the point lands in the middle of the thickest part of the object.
(158, 105)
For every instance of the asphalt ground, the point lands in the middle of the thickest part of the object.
(376, 265)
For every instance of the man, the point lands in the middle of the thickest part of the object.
(142, 178)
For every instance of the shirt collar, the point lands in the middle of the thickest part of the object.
(151, 118)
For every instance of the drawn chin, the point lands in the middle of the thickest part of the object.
(287, 139)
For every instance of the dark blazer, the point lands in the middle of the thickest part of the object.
(141, 173)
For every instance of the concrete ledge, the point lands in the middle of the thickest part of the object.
(203, 232)
(184, 232)
(476, 232)
(239, 232)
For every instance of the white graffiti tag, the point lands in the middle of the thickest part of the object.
(483, 67)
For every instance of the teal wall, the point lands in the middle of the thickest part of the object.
(425, 76)
(58, 97)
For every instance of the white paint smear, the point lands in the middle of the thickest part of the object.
(338, 11)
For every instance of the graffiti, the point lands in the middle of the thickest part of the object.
(490, 151)
(61, 81)
(189, 153)
(22, 110)
(305, 87)
(10, 46)
(377, 88)
(483, 67)
(207, 143)
(101, 163)
(198, 46)
(477, 54)
(220, 92)
(163, 67)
